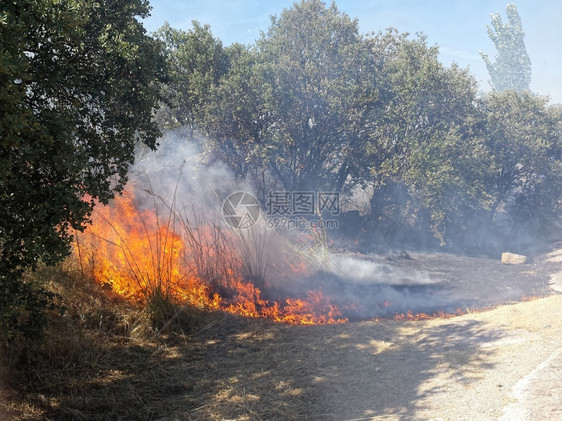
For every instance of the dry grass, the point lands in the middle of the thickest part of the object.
(100, 340)
(102, 360)
(106, 358)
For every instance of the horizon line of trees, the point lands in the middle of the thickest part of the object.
(315, 105)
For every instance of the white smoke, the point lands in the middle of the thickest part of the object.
(179, 171)
(365, 271)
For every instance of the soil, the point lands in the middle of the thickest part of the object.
(501, 364)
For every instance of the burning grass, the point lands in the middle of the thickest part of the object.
(158, 256)
(164, 255)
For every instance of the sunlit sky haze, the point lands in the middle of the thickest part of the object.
(457, 27)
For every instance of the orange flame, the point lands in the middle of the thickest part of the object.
(138, 253)
(424, 316)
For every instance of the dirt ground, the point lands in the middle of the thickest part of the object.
(500, 364)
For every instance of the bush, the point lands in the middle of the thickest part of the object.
(23, 316)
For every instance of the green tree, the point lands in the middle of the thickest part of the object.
(315, 105)
(214, 91)
(318, 89)
(237, 119)
(196, 62)
(523, 137)
(512, 69)
(289, 111)
(78, 84)
(426, 155)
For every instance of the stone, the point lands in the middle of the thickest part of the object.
(513, 259)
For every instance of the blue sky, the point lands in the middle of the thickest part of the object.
(457, 27)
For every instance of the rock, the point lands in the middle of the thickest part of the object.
(513, 259)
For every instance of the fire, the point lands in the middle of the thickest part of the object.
(140, 252)
(424, 316)
(530, 298)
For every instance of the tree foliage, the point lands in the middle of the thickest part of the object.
(196, 62)
(78, 85)
(523, 134)
(313, 63)
(315, 105)
(512, 69)
(284, 109)
(425, 143)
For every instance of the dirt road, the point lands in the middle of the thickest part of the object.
(504, 364)
(500, 364)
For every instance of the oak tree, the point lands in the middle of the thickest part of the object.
(79, 81)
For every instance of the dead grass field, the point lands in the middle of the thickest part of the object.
(101, 363)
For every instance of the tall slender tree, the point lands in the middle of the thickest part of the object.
(512, 69)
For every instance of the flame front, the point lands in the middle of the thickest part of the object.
(139, 252)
